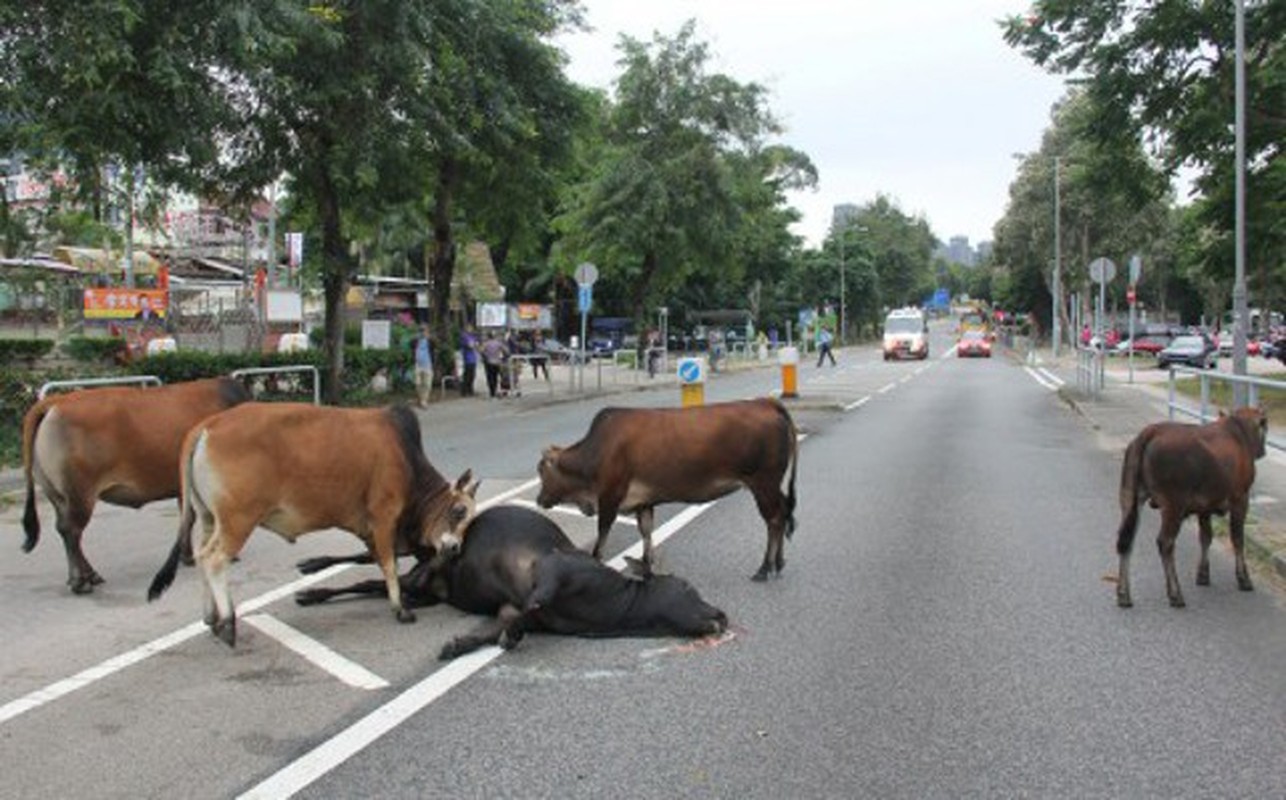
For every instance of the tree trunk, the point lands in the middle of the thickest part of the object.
(335, 269)
(442, 265)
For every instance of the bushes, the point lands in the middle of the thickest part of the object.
(111, 349)
(13, 351)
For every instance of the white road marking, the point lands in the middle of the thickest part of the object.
(1041, 379)
(348, 671)
(86, 677)
(856, 404)
(1051, 376)
(888, 387)
(570, 510)
(334, 751)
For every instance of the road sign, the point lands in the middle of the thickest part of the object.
(586, 274)
(1102, 270)
(691, 371)
(584, 297)
(1136, 268)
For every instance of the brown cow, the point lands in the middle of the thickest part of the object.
(295, 468)
(118, 445)
(1186, 469)
(633, 459)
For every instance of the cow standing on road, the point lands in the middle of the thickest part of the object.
(295, 468)
(1183, 469)
(518, 566)
(634, 459)
(118, 445)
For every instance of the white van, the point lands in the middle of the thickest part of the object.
(906, 334)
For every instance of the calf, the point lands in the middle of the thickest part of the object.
(1185, 469)
(517, 565)
(118, 445)
(295, 468)
(634, 459)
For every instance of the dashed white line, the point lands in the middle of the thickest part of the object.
(348, 671)
(856, 404)
(888, 387)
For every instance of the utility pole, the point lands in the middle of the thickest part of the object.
(1056, 290)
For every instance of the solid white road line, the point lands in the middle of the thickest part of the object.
(1051, 376)
(570, 510)
(348, 671)
(1041, 379)
(80, 680)
(334, 751)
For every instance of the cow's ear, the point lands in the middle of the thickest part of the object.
(462, 483)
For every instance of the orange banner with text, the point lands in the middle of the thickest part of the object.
(124, 303)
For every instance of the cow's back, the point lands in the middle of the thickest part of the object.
(305, 466)
(1197, 467)
(672, 449)
(124, 443)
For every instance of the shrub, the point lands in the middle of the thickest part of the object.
(13, 351)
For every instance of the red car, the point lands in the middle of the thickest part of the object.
(1149, 344)
(973, 343)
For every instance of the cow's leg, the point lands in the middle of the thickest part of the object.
(73, 516)
(375, 587)
(489, 632)
(1237, 532)
(1171, 519)
(646, 519)
(1206, 536)
(216, 552)
(310, 565)
(382, 551)
(772, 507)
(608, 505)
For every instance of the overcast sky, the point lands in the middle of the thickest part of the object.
(920, 100)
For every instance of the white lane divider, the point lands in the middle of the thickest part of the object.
(858, 403)
(348, 671)
(1041, 379)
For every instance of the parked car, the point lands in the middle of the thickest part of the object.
(1193, 350)
(1150, 344)
(972, 343)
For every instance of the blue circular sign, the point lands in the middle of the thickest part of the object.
(689, 371)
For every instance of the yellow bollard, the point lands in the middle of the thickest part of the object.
(692, 381)
(788, 357)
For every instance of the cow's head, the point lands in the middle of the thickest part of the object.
(557, 486)
(444, 530)
(1255, 422)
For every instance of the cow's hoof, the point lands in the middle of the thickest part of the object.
(405, 615)
(1177, 602)
(1245, 585)
(226, 630)
(310, 565)
(1203, 576)
(310, 597)
(761, 575)
(509, 639)
(95, 578)
(452, 649)
(83, 586)
(1124, 601)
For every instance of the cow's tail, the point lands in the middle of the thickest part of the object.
(793, 433)
(1131, 477)
(30, 425)
(187, 518)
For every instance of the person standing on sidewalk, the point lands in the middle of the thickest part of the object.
(469, 358)
(493, 360)
(824, 346)
(423, 349)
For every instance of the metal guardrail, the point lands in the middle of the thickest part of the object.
(146, 380)
(238, 373)
(1207, 411)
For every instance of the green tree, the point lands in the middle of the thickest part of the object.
(661, 204)
(1165, 71)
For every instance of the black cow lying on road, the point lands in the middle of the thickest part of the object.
(518, 566)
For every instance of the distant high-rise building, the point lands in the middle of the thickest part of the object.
(958, 251)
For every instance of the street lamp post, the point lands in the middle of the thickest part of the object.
(1056, 292)
(843, 329)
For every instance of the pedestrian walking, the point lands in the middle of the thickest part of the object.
(539, 358)
(493, 360)
(423, 348)
(824, 346)
(469, 358)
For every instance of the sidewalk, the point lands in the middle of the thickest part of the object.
(1122, 409)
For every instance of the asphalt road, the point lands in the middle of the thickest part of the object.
(945, 627)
